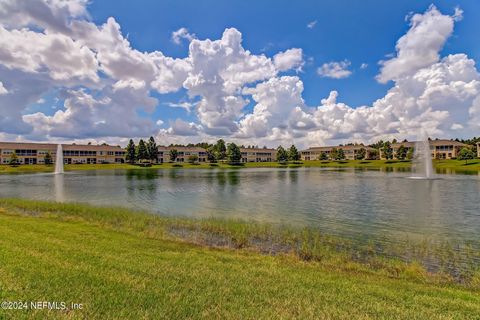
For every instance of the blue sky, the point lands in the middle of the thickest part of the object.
(360, 31)
(360, 34)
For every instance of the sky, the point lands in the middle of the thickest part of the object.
(252, 72)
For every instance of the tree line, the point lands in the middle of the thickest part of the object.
(219, 151)
(147, 152)
(143, 152)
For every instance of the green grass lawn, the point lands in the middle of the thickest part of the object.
(441, 165)
(125, 265)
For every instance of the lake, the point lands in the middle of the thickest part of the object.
(359, 204)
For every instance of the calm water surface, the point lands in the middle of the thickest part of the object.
(352, 203)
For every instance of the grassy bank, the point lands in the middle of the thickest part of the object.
(130, 265)
(440, 165)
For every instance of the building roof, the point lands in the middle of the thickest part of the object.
(407, 144)
(349, 147)
(182, 149)
(53, 146)
(257, 150)
(199, 149)
(439, 142)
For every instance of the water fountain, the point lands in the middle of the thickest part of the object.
(59, 160)
(423, 159)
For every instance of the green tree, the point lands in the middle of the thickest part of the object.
(360, 155)
(130, 152)
(13, 159)
(373, 154)
(333, 154)
(233, 153)
(152, 150)
(193, 158)
(48, 158)
(220, 150)
(282, 154)
(142, 153)
(387, 151)
(401, 152)
(173, 155)
(293, 154)
(340, 155)
(378, 144)
(466, 154)
(410, 153)
(211, 154)
(323, 156)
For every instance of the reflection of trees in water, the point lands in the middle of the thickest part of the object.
(224, 178)
(140, 174)
(288, 176)
(221, 178)
(394, 169)
(457, 171)
(141, 180)
(282, 175)
(233, 178)
(173, 174)
(293, 176)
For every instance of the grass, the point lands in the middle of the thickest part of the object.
(442, 166)
(122, 264)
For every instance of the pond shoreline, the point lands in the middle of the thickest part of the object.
(73, 250)
(304, 243)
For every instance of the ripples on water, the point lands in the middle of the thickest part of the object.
(363, 205)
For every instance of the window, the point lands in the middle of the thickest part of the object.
(25, 152)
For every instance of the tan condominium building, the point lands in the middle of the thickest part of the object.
(258, 155)
(350, 151)
(478, 150)
(35, 153)
(440, 149)
(184, 154)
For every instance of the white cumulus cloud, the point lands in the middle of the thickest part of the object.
(289, 59)
(182, 33)
(420, 46)
(335, 70)
(105, 88)
(2, 89)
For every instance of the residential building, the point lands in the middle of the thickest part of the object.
(478, 150)
(258, 154)
(183, 154)
(440, 149)
(350, 152)
(34, 153)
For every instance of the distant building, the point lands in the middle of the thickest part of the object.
(258, 155)
(183, 154)
(350, 152)
(440, 149)
(478, 150)
(34, 153)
